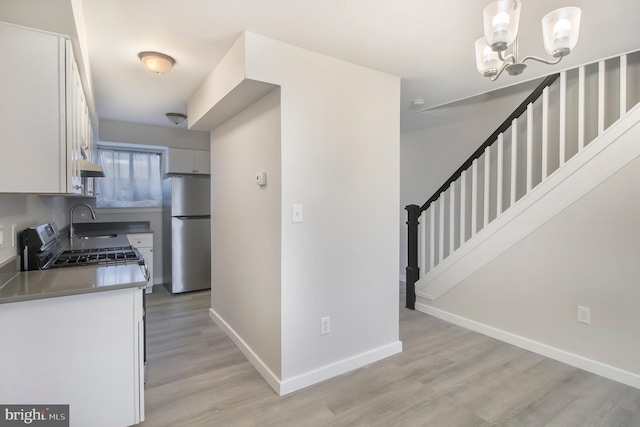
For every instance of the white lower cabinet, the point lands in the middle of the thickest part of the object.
(85, 351)
(144, 243)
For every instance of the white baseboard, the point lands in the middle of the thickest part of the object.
(323, 373)
(270, 377)
(338, 368)
(595, 367)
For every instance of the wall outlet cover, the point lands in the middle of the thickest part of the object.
(584, 315)
(325, 325)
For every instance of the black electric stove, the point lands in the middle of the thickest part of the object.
(42, 249)
(77, 257)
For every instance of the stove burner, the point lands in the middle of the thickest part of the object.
(80, 257)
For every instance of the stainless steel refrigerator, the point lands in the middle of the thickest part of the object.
(186, 233)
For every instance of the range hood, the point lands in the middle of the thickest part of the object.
(89, 169)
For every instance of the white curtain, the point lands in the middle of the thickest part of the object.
(131, 180)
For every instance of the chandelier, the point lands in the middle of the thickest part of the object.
(497, 51)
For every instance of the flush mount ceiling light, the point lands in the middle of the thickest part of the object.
(417, 104)
(560, 30)
(157, 62)
(176, 118)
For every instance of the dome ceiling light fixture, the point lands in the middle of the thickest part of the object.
(157, 62)
(560, 30)
(417, 104)
(176, 118)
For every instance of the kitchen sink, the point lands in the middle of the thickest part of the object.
(102, 236)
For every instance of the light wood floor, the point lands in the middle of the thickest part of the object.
(446, 376)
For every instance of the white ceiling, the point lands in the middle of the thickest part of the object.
(427, 43)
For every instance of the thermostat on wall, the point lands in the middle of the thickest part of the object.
(261, 179)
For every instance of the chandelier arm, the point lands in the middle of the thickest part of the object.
(544, 61)
(504, 67)
(507, 58)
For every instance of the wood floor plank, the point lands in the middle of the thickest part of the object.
(446, 376)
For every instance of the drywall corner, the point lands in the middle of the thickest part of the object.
(228, 74)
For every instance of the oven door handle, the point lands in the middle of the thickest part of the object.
(147, 273)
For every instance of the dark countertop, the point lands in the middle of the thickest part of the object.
(60, 282)
(16, 285)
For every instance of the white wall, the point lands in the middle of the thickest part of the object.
(339, 158)
(164, 136)
(587, 255)
(246, 227)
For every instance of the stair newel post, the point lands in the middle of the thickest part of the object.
(413, 271)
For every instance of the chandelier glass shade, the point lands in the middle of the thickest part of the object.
(497, 51)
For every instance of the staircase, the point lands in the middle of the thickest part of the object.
(568, 136)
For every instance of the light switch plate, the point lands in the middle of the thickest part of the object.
(296, 213)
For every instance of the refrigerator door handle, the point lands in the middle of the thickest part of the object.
(182, 217)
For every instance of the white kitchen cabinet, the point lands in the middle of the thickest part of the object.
(83, 350)
(144, 243)
(46, 125)
(183, 161)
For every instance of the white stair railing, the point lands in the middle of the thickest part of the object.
(571, 112)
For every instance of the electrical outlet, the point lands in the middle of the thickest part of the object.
(325, 325)
(1, 237)
(584, 315)
(13, 235)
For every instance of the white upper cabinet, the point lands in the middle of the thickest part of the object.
(46, 126)
(183, 161)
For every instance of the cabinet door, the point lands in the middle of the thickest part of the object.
(46, 112)
(76, 118)
(202, 162)
(180, 161)
(88, 351)
(32, 107)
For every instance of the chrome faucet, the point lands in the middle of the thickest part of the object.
(72, 232)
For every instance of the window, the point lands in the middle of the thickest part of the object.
(132, 180)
